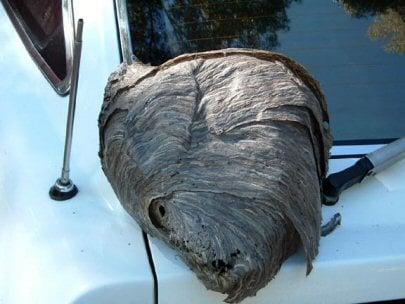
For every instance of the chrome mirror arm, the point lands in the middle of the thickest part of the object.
(64, 188)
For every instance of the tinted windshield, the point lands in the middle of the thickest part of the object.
(354, 48)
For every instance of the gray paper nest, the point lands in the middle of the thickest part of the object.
(221, 155)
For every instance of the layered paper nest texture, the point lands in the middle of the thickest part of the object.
(221, 155)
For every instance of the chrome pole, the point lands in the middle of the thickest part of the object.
(123, 28)
(64, 188)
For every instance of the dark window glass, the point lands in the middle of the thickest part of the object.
(355, 48)
(40, 25)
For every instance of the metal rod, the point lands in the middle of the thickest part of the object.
(387, 155)
(372, 163)
(123, 28)
(77, 50)
(64, 188)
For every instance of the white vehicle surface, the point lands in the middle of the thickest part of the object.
(89, 250)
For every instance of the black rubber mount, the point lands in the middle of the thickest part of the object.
(58, 195)
(340, 181)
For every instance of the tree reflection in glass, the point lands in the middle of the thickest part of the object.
(389, 24)
(164, 29)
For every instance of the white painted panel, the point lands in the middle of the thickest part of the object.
(86, 250)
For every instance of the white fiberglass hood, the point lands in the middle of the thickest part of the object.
(85, 250)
